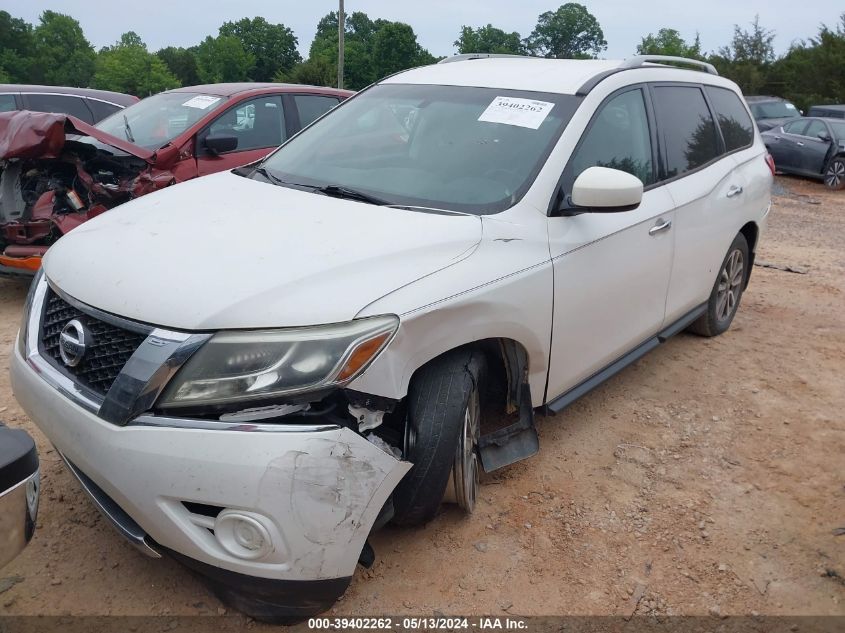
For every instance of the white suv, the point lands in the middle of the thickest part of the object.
(253, 370)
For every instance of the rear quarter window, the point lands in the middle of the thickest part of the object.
(688, 130)
(101, 109)
(734, 122)
(312, 107)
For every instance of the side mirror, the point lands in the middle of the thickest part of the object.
(824, 136)
(604, 190)
(219, 143)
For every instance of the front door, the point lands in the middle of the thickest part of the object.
(611, 270)
(257, 124)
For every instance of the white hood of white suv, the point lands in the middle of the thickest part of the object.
(229, 252)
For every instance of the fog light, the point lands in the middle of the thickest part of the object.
(243, 534)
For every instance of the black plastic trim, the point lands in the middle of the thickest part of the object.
(18, 458)
(561, 402)
(267, 599)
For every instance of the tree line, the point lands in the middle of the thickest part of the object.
(55, 51)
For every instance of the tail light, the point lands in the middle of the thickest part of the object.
(770, 162)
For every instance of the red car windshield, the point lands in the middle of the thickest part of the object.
(159, 119)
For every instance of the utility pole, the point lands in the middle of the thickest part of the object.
(341, 29)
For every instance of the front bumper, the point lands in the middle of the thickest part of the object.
(312, 495)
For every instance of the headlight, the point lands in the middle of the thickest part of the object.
(27, 309)
(258, 365)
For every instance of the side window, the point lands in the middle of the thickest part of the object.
(815, 128)
(101, 109)
(257, 123)
(63, 104)
(619, 138)
(686, 126)
(7, 103)
(737, 128)
(312, 107)
(796, 127)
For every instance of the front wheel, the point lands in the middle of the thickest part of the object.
(727, 291)
(441, 437)
(834, 176)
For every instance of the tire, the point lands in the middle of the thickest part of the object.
(727, 291)
(441, 395)
(834, 175)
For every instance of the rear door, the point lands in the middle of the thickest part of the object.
(705, 186)
(789, 145)
(813, 150)
(258, 124)
(309, 107)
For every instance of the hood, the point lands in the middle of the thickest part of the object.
(226, 251)
(25, 134)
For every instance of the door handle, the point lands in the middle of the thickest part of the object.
(662, 225)
(800, 144)
(734, 191)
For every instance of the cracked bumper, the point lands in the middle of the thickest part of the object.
(314, 494)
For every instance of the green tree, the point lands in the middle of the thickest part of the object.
(272, 45)
(811, 71)
(569, 32)
(16, 49)
(62, 55)
(372, 49)
(669, 42)
(129, 67)
(358, 70)
(489, 39)
(182, 62)
(395, 48)
(748, 58)
(223, 58)
(313, 72)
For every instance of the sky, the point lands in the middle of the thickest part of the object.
(437, 23)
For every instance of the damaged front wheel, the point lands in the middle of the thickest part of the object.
(441, 437)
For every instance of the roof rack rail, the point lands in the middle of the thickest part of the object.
(640, 60)
(466, 56)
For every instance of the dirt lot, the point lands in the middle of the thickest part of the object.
(707, 478)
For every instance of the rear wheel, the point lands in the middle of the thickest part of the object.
(727, 291)
(441, 437)
(834, 175)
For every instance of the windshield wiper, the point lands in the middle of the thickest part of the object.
(128, 130)
(273, 178)
(339, 191)
(335, 191)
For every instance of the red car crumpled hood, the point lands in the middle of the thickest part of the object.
(25, 134)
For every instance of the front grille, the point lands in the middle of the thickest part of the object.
(106, 355)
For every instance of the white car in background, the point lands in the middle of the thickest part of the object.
(459, 244)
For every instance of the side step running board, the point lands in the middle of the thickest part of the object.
(561, 402)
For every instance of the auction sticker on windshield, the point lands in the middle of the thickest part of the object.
(515, 111)
(201, 102)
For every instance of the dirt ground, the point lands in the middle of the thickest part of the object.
(705, 479)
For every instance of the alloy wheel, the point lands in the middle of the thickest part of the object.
(464, 478)
(835, 174)
(730, 286)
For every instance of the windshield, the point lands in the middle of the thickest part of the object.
(475, 150)
(773, 110)
(159, 119)
(838, 129)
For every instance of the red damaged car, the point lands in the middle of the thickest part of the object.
(58, 171)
